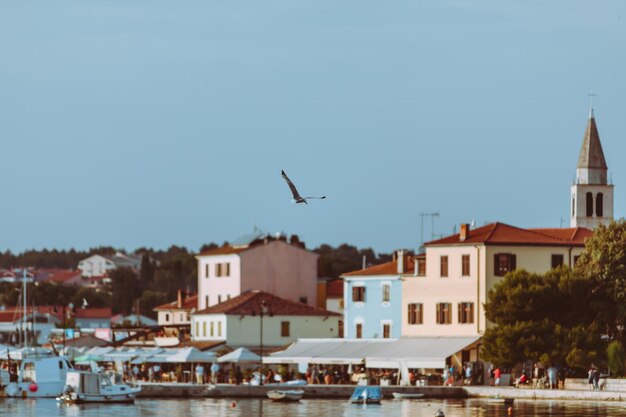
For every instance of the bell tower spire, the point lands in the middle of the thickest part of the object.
(592, 195)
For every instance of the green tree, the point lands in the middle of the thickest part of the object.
(616, 358)
(603, 263)
(125, 290)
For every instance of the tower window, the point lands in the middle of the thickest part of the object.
(573, 207)
(589, 205)
(599, 205)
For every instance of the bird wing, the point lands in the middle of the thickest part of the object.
(319, 198)
(294, 191)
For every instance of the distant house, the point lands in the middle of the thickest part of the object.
(177, 312)
(16, 275)
(239, 321)
(97, 265)
(60, 276)
(258, 262)
(133, 320)
(334, 296)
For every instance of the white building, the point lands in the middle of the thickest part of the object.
(240, 321)
(98, 265)
(264, 263)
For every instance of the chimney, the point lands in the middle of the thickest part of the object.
(400, 261)
(179, 301)
(465, 229)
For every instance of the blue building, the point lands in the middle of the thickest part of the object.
(373, 300)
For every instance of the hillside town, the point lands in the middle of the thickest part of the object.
(419, 318)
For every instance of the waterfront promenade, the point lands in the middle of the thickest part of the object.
(178, 390)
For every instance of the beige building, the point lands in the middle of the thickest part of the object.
(177, 312)
(445, 296)
(257, 319)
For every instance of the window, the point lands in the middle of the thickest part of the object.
(219, 298)
(503, 263)
(358, 294)
(197, 329)
(465, 265)
(599, 205)
(204, 329)
(443, 313)
(212, 329)
(181, 317)
(340, 330)
(167, 318)
(466, 313)
(421, 267)
(386, 293)
(222, 269)
(444, 266)
(304, 300)
(557, 260)
(589, 205)
(219, 328)
(416, 313)
(206, 270)
(359, 330)
(206, 301)
(284, 329)
(386, 331)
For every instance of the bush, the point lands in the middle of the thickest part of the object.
(616, 358)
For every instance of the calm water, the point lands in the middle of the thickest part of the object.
(313, 408)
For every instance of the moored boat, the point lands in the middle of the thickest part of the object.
(402, 395)
(285, 395)
(92, 387)
(36, 373)
(366, 394)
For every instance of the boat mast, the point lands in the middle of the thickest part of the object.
(24, 319)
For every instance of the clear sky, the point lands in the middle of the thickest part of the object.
(150, 123)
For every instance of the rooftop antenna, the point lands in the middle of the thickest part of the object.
(432, 226)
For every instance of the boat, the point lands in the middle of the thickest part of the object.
(366, 394)
(290, 395)
(501, 400)
(96, 387)
(36, 373)
(402, 395)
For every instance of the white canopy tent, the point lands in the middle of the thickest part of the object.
(240, 355)
(414, 352)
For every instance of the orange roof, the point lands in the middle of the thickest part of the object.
(93, 313)
(388, 268)
(249, 303)
(63, 275)
(504, 234)
(187, 303)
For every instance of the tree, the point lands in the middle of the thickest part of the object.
(538, 317)
(124, 290)
(616, 358)
(603, 263)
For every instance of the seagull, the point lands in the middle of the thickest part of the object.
(296, 196)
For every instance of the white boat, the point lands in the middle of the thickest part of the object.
(93, 387)
(37, 373)
(285, 395)
(366, 394)
(402, 395)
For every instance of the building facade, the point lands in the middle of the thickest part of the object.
(445, 296)
(373, 300)
(285, 269)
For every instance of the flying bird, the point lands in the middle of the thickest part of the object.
(296, 196)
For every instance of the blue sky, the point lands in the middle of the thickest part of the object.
(151, 123)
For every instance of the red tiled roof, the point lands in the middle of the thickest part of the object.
(388, 268)
(334, 288)
(504, 234)
(187, 303)
(250, 302)
(63, 276)
(93, 313)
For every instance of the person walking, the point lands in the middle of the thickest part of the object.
(552, 373)
(214, 370)
(199, 374)
(496, 376)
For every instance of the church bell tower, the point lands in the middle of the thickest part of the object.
(592, 195)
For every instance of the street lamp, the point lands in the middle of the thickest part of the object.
(263, 310)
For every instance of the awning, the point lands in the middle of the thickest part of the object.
(414, 352)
